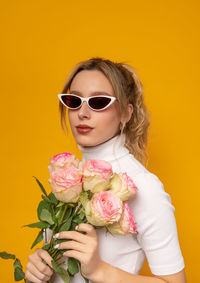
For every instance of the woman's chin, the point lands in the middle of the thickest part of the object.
(84, 141)
(87, 141)
(90, 142)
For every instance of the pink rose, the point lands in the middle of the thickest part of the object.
(103, 209)
(126, 224)
(66, 184)
(123, 186)
(63, 160)
(96, 175)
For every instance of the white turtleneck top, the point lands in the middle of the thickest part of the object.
(157, 238)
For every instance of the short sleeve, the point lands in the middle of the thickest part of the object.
(156, 225)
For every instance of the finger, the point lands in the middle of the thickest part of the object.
(45, 256)
(42, 267)
(75, 254)
(88, 228)
(72, 245)
(32, 278)
(72, 235)
(35, 272)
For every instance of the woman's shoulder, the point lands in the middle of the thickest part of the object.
(128, 163)
(137, 171)
(151, 192)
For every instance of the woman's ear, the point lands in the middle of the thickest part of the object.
(129, 112)
(125, 119)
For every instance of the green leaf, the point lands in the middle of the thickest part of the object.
(41, 186)
(17, 263)
(60, 204)
(61, 271)
(38, 239)
(19, 274)
(82, 215)
(55, 219)
(5, 255)
(53, 199)
(73, 225)
(46, 216)
(46, 199)
(77, 219)
(41, 225)
(66, 225)
(73, 267)
(50, 199)
(43, 205)
(46, 247)
(84, 198)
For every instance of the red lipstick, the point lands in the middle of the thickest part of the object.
(83, 129)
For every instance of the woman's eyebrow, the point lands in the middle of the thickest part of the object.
(92, 94)
(75, 92)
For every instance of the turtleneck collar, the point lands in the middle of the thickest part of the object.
(108, 151)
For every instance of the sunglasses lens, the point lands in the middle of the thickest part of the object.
(99, 103)
(71, 101)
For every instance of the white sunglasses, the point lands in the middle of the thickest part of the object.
(96, 103)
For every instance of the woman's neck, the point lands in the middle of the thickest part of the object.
(109, 150)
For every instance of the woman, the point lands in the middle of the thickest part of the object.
(109, 121)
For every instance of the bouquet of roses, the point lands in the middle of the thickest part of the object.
(92, 194)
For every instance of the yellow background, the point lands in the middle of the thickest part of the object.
(40, 42)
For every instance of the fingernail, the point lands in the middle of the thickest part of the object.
(56, 246)
(76, 228)
(56, 236)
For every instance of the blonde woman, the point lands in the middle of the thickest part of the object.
(109, 121)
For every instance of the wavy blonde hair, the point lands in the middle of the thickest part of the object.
(128, 90)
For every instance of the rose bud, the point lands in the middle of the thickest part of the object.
(126, 225)
(123, 186)
(62, 160)
(96, 175)
(66, 184)
(104, 208)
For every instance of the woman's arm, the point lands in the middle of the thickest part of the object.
(84, 247)
(109, 274)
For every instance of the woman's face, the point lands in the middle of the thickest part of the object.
(90, 127)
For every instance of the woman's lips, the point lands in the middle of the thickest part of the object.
(83, 129)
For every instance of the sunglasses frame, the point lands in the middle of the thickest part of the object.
(86, 99)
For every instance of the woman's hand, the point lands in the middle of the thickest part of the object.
(36, 270)
(83, 247)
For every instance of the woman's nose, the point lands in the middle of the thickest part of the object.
(84, 111)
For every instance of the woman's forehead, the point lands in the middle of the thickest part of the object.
(92, 82)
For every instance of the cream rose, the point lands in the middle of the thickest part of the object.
(123, 186)
(96, 175)
(126, 224)
(103, 209)
(66, 184)
(62, 160)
